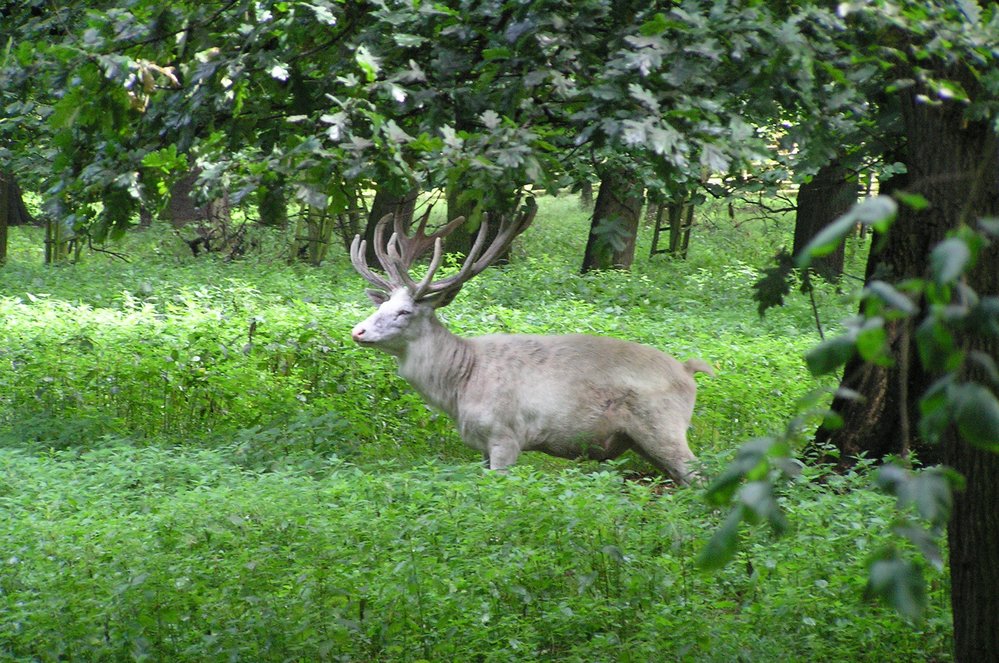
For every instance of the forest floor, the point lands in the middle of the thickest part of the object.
(196, 463)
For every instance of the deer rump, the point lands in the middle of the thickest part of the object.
(578, 396)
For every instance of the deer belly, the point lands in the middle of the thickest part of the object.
(600, 447)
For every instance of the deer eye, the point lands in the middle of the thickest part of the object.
(403, 312)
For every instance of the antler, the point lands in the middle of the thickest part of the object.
(401, 251)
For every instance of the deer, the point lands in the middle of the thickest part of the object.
(570, 396)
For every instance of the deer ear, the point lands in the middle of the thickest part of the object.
(376, 296)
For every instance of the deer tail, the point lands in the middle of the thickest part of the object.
(698, 366)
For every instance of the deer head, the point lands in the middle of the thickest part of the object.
(405, 305)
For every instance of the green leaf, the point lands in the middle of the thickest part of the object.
(990, 226)
(770, 290)
(976, 412)
(935, 343)
(878, 212)
(931, 491)
(872, 341)
(496, 53)
(657, 25)
(949, 260)
(924, 541)
(891, 297)
(934, 413)
(749, 460)
(830, 355)
(899, 583)
(913, 201)
(367, 62)
(826, 241)
(722, 545)
(758, 499)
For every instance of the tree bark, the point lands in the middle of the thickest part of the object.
(823, 199)
(882, 422)
(12, 209)
(958, 162)
(387, 202)
(586, 195)
(953, 163)
(272, 205)
(614, 226)
(461, 239)
(182, 208)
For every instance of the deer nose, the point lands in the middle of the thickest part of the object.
(358, 333)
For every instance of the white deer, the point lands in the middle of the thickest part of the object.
(574, 396)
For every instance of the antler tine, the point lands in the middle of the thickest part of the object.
(379, 239)
(435, 262)
(357, 252)
(409, 248)
(392, 262)
(402, 250)
(455, 281)
(478, 258)
(398, 264)
(422, 225)
(506, 235)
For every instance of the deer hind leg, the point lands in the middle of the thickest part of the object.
(664, 444)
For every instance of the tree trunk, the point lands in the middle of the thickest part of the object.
(821, 200)
(460, 240)
(586, 195)
(5, 190)
(953, 163)
(272, 205)
(182, 208)
(4, 216)
(12, 209)
(614, 227)
(387, 202)
(881, 423)
(973, 531)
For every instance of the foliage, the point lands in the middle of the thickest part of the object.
(324, 99)
(122, 552)
(941, 307)
(286, 495)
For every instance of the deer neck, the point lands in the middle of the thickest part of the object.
(438, 365)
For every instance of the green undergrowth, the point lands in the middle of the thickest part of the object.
(196, 463)
(198, 351)
(123, 553)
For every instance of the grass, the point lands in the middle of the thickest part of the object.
(199, 465)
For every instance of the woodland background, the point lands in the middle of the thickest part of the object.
(198, 464)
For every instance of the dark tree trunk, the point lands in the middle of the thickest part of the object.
(973, 539)
(12, 209)
(4, 218)
(958, 161)
(953, 163)
(272, 205)
(881, 424)
(183, 208)
(586, 195)
(828, 195)
(973, 531)
(461, 240)
(614, 227)
(387, 202)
